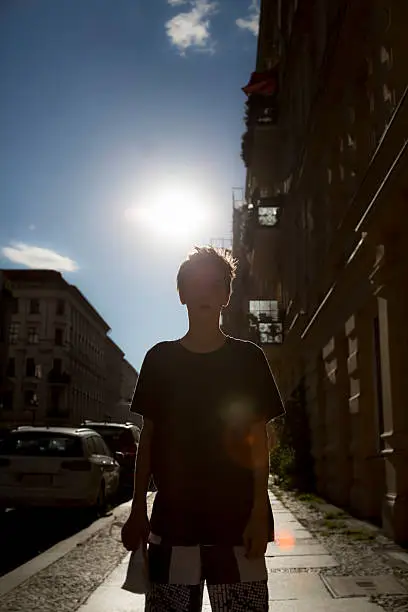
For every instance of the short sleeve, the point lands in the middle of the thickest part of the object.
(145, 401)
(269, 403)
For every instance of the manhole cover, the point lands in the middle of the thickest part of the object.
(361, 586)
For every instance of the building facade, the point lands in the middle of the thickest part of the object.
(129, 378)
(320, 231)
(60, 366)
(6, 308)
(114, 361)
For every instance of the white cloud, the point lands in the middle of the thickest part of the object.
(251, 22)
(38, 258)
(192, 28)
(177, 2)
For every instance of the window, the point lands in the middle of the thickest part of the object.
(268, 216)
(378, 381)
(60, 307)
(14, 330)
(57, 366)
(59, 336)
(55, 400)
(14, 306)
(7, 400)
(30, 398)
(136, 434)
(34, 306)
(32, 335)
(92, 445)
(30, 367)
(264, 322)
(35, 444)
(11, 367)
(100, 446)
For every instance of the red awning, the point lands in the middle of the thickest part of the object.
(262, 83)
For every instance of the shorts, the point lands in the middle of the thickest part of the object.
(177, 575)
(241, 597)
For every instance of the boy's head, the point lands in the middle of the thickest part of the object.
(204, 279)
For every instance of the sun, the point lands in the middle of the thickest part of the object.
(171, 211)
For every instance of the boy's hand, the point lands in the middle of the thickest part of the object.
(256, 535)
(135, 532)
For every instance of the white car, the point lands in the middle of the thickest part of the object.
(56, 467)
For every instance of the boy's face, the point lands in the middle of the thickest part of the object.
(204, 289)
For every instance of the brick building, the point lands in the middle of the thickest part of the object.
(320, 233)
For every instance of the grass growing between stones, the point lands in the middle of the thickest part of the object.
(310, 498)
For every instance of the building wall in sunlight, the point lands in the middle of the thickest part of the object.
(61, 367)
(333, 158)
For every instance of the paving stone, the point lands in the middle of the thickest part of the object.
(117, 577)
(300, 534)
(284, 515)
(299, 562)
(398, 558)
(286, 526)
(314, 605)
(360, 586)
(297, 586)
(289, 522)
(273, 550)
(113, 599)
(280, 510)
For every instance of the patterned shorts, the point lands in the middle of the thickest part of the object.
(177, 575)
(241, 597)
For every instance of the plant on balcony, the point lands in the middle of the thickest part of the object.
(246, 145)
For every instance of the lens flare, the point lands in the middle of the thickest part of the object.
(285, 540)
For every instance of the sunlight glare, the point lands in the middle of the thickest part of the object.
(171, 212)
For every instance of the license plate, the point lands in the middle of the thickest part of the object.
(36, 480)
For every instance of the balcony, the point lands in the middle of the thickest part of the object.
(261, 111)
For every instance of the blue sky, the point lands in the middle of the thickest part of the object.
(112, 114)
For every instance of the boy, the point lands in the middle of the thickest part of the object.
(205, 400)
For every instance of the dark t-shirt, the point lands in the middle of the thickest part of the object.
(202, 406)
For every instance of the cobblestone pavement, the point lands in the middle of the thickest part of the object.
(67, 583)
(360, 548)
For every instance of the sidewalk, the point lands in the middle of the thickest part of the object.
(295, 585)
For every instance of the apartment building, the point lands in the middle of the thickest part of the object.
(6, 307)
(61, 366)
(320, 230)
(129, 378)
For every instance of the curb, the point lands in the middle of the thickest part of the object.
(13, 579)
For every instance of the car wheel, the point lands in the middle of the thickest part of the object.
(101, 503)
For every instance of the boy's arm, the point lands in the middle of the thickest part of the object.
(260, 467)
(255, 537)
(135, 531)
(143, 470)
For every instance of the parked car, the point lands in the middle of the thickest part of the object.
(56, 467)
(123, 440)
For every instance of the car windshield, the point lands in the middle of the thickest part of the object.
(116, 438)
(38, 444)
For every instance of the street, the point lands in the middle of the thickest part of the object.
(24, 534)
